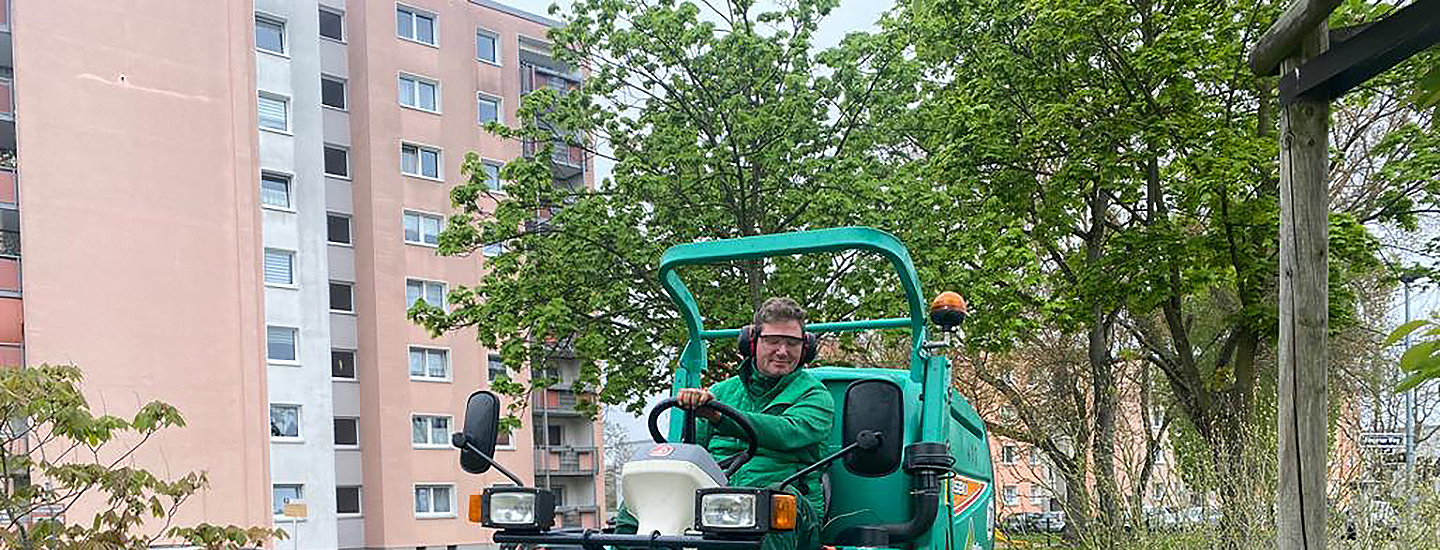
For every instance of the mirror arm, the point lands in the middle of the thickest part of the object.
(864, 440)
(461, 442)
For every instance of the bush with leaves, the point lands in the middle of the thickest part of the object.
(54, 453)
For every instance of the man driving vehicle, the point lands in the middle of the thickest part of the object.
(790, 410)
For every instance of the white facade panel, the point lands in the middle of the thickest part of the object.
(296, 151)
(347, 398)
(352, 532)
(337, 126)
(338, 196)
(342, 263)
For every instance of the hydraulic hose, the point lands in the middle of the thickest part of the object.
(926, 497)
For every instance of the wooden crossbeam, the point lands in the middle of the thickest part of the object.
(1283, 38)
(1371, 51)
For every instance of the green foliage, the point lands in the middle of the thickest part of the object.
(717, 130)
(1420, 361)
(55, 452)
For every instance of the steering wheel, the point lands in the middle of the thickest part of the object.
(688, 434)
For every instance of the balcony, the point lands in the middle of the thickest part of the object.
(565, 461)
(577, 516)
(559, 402)
(10, 243)
(566, 161)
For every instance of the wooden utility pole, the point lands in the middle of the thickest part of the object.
(1301, 34)
(1304, 311)
(1312, 73)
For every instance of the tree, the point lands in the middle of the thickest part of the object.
(1117, 171)
(54, 453)
(721, 124)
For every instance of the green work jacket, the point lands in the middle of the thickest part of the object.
(791, 417)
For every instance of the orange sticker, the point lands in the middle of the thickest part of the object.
(964, 492)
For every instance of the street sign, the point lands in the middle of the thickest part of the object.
(1383, 441)
(295, 510)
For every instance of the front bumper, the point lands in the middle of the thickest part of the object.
(597, 540)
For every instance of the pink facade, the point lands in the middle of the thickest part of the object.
(141, 251)
(143, 240)
(383, 262)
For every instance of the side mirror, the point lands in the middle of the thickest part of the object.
(873, 406)
(482, 422)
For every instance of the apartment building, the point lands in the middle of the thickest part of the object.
(233, 216)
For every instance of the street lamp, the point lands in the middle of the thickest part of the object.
(1407, 279)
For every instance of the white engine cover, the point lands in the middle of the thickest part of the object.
(661, 494)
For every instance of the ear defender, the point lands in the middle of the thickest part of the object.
(750, 338)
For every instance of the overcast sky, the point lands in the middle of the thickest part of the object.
(852, 15)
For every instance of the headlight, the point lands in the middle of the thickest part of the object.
(512, 508)
(727, 511)
(522, 508)
(743, 511)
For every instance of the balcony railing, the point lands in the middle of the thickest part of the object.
(557, 401)
(565, 461)
(578, 516)
(10, 243)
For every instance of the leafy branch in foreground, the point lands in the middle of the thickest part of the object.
(54, 453)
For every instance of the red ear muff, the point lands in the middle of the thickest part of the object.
(746, 344)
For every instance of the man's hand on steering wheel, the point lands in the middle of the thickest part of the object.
(691, 399)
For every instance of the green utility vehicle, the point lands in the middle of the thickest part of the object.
(909, 464)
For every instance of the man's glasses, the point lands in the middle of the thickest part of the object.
(781, 340)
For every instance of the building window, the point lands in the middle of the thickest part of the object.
(332, 25)
(429, 364)
(1038, 496)
(282, 494)
(433, 501)
(337, 228)
(280, 343)
(487, 46)
(502, 440)
(419, 93)
(496, 368)
(269, 35)
(1035, 456)
(492, 175)
(347, 431)
(342, 363)
(332, 92)
(552, 436)
(279, 267)
(430, 431)
(419, 161)
(488, 107)
(342, 297)
(284, 421)
(1007, 454)
(274, 112)
(1011, 494)
(1157, 491)
(347, 500)
(275, 190)
(432, 292)
(337, 161)
(422, 228)
(416, 25)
